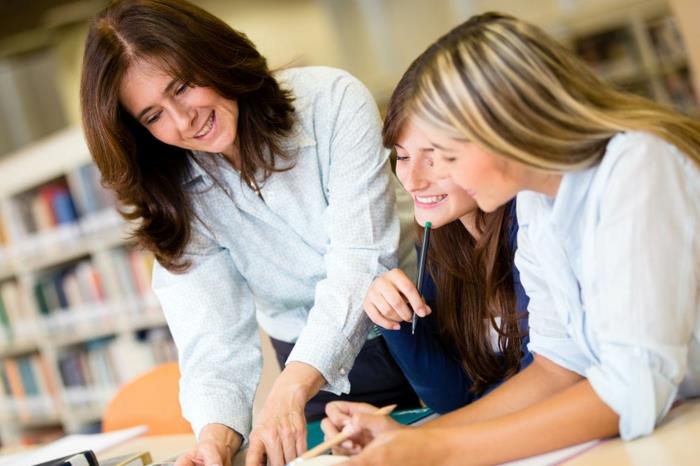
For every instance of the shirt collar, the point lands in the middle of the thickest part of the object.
(297, 139)
(572, 194)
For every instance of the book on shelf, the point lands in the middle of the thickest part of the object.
(680, 90)
(28, 389)
(60, 212)
(71, 297)
(96, 204)
(19, 314)
(667, 41)
(612, 54)
(91, 372)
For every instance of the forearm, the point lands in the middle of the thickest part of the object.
(300, 377)
(574, 415)
(539, 381)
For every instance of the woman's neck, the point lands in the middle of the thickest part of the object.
(546, 183)
(469, 222)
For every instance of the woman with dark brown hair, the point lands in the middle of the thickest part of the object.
(477, 335)
(268, 201)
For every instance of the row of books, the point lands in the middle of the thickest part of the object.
(75, 297)
(667, 40)
(612, 54)
(89, 374)
(680, 90)
(59, 213)
(28, 389)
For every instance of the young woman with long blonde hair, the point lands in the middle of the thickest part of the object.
(607, 187)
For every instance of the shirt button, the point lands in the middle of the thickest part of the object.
(342, 371)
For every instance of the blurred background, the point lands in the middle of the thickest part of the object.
(77, 318)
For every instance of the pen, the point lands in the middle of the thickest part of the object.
(421, 270)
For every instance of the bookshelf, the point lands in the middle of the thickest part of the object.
(639, 49)
(77, 315)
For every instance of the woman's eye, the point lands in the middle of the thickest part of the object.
(181, 88)
(401, 158)
(448, 159)
(153, 118)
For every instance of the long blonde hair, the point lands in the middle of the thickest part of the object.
(509, 87)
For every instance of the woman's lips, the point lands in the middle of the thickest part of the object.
(427, 202)
(207, 128)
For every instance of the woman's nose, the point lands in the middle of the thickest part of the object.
(185, 117)
(415, 178)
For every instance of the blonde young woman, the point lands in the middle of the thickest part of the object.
(608, 187)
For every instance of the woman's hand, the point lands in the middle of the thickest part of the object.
(409, 447)
(389, 297)
(359, 418)
(216, 447)
(279, 435)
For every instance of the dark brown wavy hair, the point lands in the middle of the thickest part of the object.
(194, 47)
(473, 278)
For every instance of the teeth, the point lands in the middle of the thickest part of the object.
(207, 127)
(430, 199)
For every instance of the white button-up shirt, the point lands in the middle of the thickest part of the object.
(297, 262)
(612, 269)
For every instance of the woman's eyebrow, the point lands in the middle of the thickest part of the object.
(422, 149)
(439, 147)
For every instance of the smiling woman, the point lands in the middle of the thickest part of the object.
(178, 113)
(239, 178)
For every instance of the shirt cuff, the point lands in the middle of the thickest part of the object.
(217, 408)
(631, 388)
(331, 353)
(561, 351)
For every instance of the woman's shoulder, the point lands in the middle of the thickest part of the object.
(322, 87)
(316, 80)
(641, 153)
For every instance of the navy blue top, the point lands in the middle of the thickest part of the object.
(433, 369)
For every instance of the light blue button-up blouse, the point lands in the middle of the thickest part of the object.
(612, 269)
(296, 261)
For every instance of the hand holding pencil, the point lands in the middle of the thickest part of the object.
(358, 423)
(393, 297)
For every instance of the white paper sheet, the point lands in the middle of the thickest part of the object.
(72, 444)
(553, 457)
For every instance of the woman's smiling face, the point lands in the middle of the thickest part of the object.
(190, 117)
(490, 179)
(437, 199)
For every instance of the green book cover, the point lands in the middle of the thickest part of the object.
(4, 320)
(41, 299)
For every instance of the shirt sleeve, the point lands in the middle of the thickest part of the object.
(548, 334)
(434, 371)
(363, 227)
(644, 299)
(211, 315)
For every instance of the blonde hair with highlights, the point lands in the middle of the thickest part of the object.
(512, 89)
